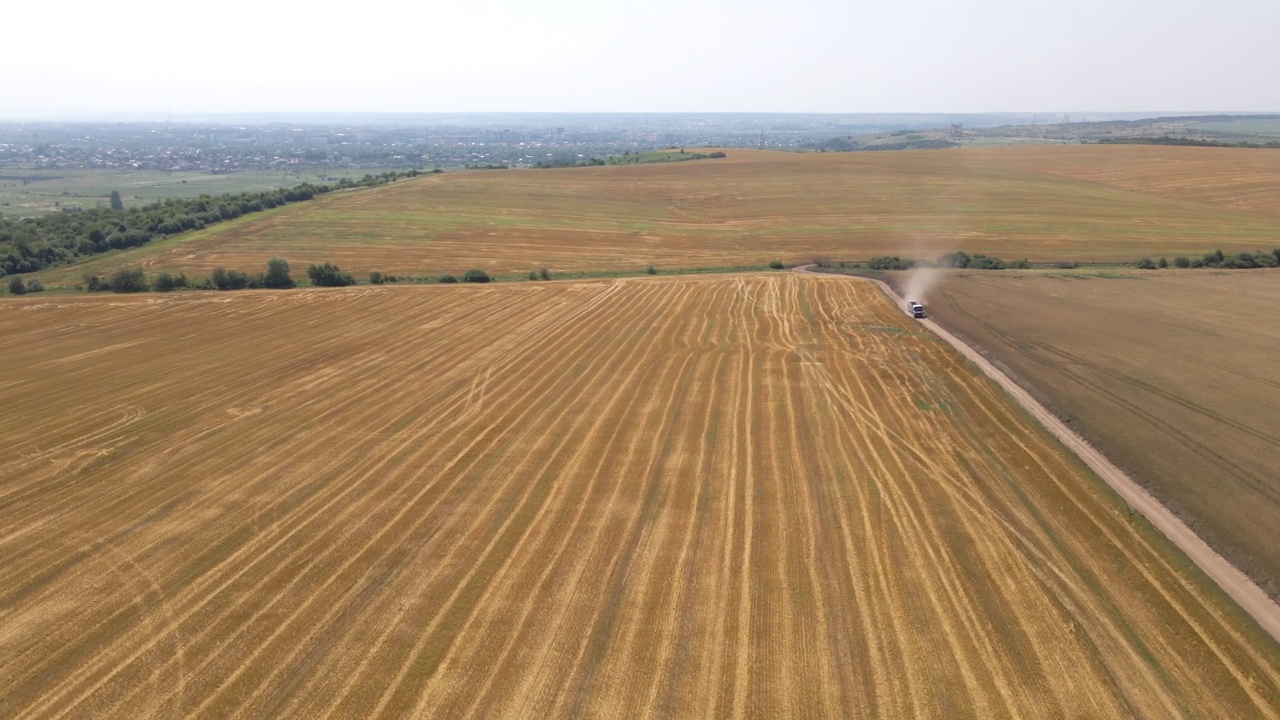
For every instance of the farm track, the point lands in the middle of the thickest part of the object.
(719, 496)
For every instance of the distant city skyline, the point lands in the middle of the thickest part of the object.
(146, 59)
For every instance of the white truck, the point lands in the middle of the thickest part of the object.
(915, 309)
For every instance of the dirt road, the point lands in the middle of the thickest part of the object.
(1234, 583)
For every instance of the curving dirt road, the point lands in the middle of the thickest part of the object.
(1234, 583)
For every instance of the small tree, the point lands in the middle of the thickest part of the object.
(116, 203)
(651, 270)
(1182, 261)
(376, 278)
(277, 276)
(475, 276)
(545, 274)
(775, 264)
(17, 286)
(1146, 264)
(1164, 263)
(448, 279)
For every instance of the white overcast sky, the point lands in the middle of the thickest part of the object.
(88, 57)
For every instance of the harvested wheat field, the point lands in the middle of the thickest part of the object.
(723, 496)
(1089, 203)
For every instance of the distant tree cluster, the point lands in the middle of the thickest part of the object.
(31, 244)
(848, 144)
(1188, 142)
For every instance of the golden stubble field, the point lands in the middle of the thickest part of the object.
(1080, 203)
(722, 496)
(1171, 373)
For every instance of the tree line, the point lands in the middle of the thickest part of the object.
(277, 276)
(31, 244)
(1184, 142)
(978, 261)
(957, 259)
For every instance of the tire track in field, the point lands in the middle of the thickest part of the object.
(564, 596)
(288, 536)
(403, 511)
(569, 539)
(388, 696)
(597, 428)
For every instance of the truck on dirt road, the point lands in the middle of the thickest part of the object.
(915, 309)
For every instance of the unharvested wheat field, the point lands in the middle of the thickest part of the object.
(1172, 373)
(1094, 203)
(721, 496)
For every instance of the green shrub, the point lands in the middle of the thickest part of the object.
(93, 283)
(651, 270)
(165, 282)
(225, 279)
(448, 279)
(1163, 263)
(957, 259)
(544, 274)
(128, 280)
(1146, 264)
(376, 278)
(17, 286)
(1022, 264)
(775, 264)
(329, 275)
(982, 262)
(35, 286)
(475, 276)
(533, 274)
(1182, 262)
(890, 263)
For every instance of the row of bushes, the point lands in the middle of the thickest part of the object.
(18, 286)
(958, 259)
(961, 259)
(277, 276)
(1218, 259)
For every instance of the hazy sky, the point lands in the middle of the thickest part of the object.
(147, 56)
